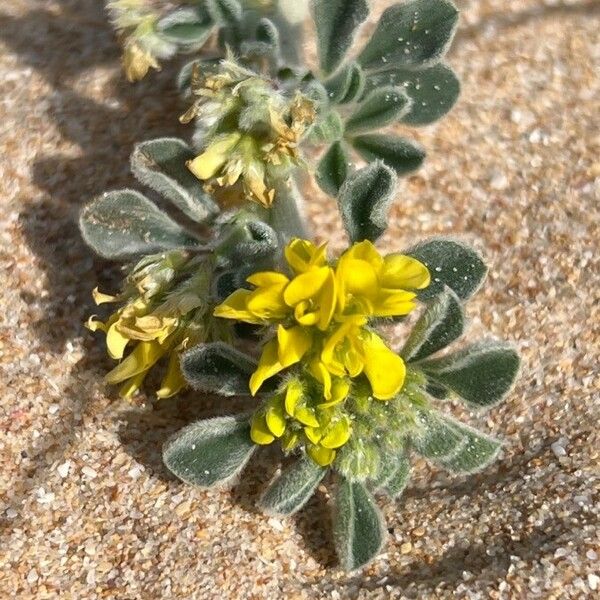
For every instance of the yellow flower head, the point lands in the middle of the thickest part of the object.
(321, 312)
(252, 132)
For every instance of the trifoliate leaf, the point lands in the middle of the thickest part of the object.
(289, 492)
(380, 108)
(333, 168)
(336, 22)
(364, 201)
(359, 531)
(217, 368)
(476, 452)
(124, 223)
(481, 374)
(346, 85)
(433, 91)
(160, 164)
(441, 323)
(451, 264)
(411, 34)
(211, 451)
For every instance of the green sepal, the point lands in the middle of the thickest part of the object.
(380, 108)
(451, 264)
(441, 323)
(358, 525)
(476, 452)
(481, 374)
(364, 201)
(433, 91)
(333, 168)
(160, 164)
(411, 34)
(189, 28)
(124, 223)
(336, 22)
(400, 154)
(217, 368)
(210, 452)
(290, 491)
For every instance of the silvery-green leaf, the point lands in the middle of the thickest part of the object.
(224, 12)
(290, 491)
(210, 452)
(451, 264)
(441, 323)
(436, 437)
(189, 28)
(412, 34)
(160, 164)
(433, 90)
(346, 85)
(123, 223)
(481, 374)
(400, 154)
(327, 128)
(359, 531)
(393, 475)
(333, 168)
(217, 368)
(380, 108)
(267, 33)
(477, 451)
(336, 22)
(364, 201)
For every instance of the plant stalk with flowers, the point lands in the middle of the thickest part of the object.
(227, 292)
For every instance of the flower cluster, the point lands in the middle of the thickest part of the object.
(165, 311)
(250, 132)
(322, 315)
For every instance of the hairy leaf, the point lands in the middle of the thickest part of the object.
(211, 451)
(411, 34)
(477, 451)
(433, 91)
(346, 85)
(394, 474)
(293, 488)
(124, 223)
(364, 200)
(358, 525)
(189, 28)
(160, 164)
(481, 374)
(440, 324)
(396, 152)
(336, 22)
(218, 369)
(451, 264)
(333, 168)
(437, 438)
(380, 108)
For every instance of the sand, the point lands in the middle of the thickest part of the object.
(86, 507)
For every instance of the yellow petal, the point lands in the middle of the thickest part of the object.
(173, 381)
(319, 371)
(289, 441)
(144, 355)
(268, 365)
(314, 434)
(305, 286)
(340, 389)
(267, 279)
(384, 369)
(302, 255)
(337, 434)
(293, 394)
(259, 432)
(306, 416)
(208, 164)
(267, 303)
(275, 418)
(293, 344)
(93, 324)
(393, 304)
(367, 251)
(404, 272)
(100, 298)
(327, 301)
(305, 315)
(131, 386)
(358, 277)
(234, 307)
(116, 342)
(322, 456)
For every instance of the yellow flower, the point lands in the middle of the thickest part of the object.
(137, 61)
(322, 314)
